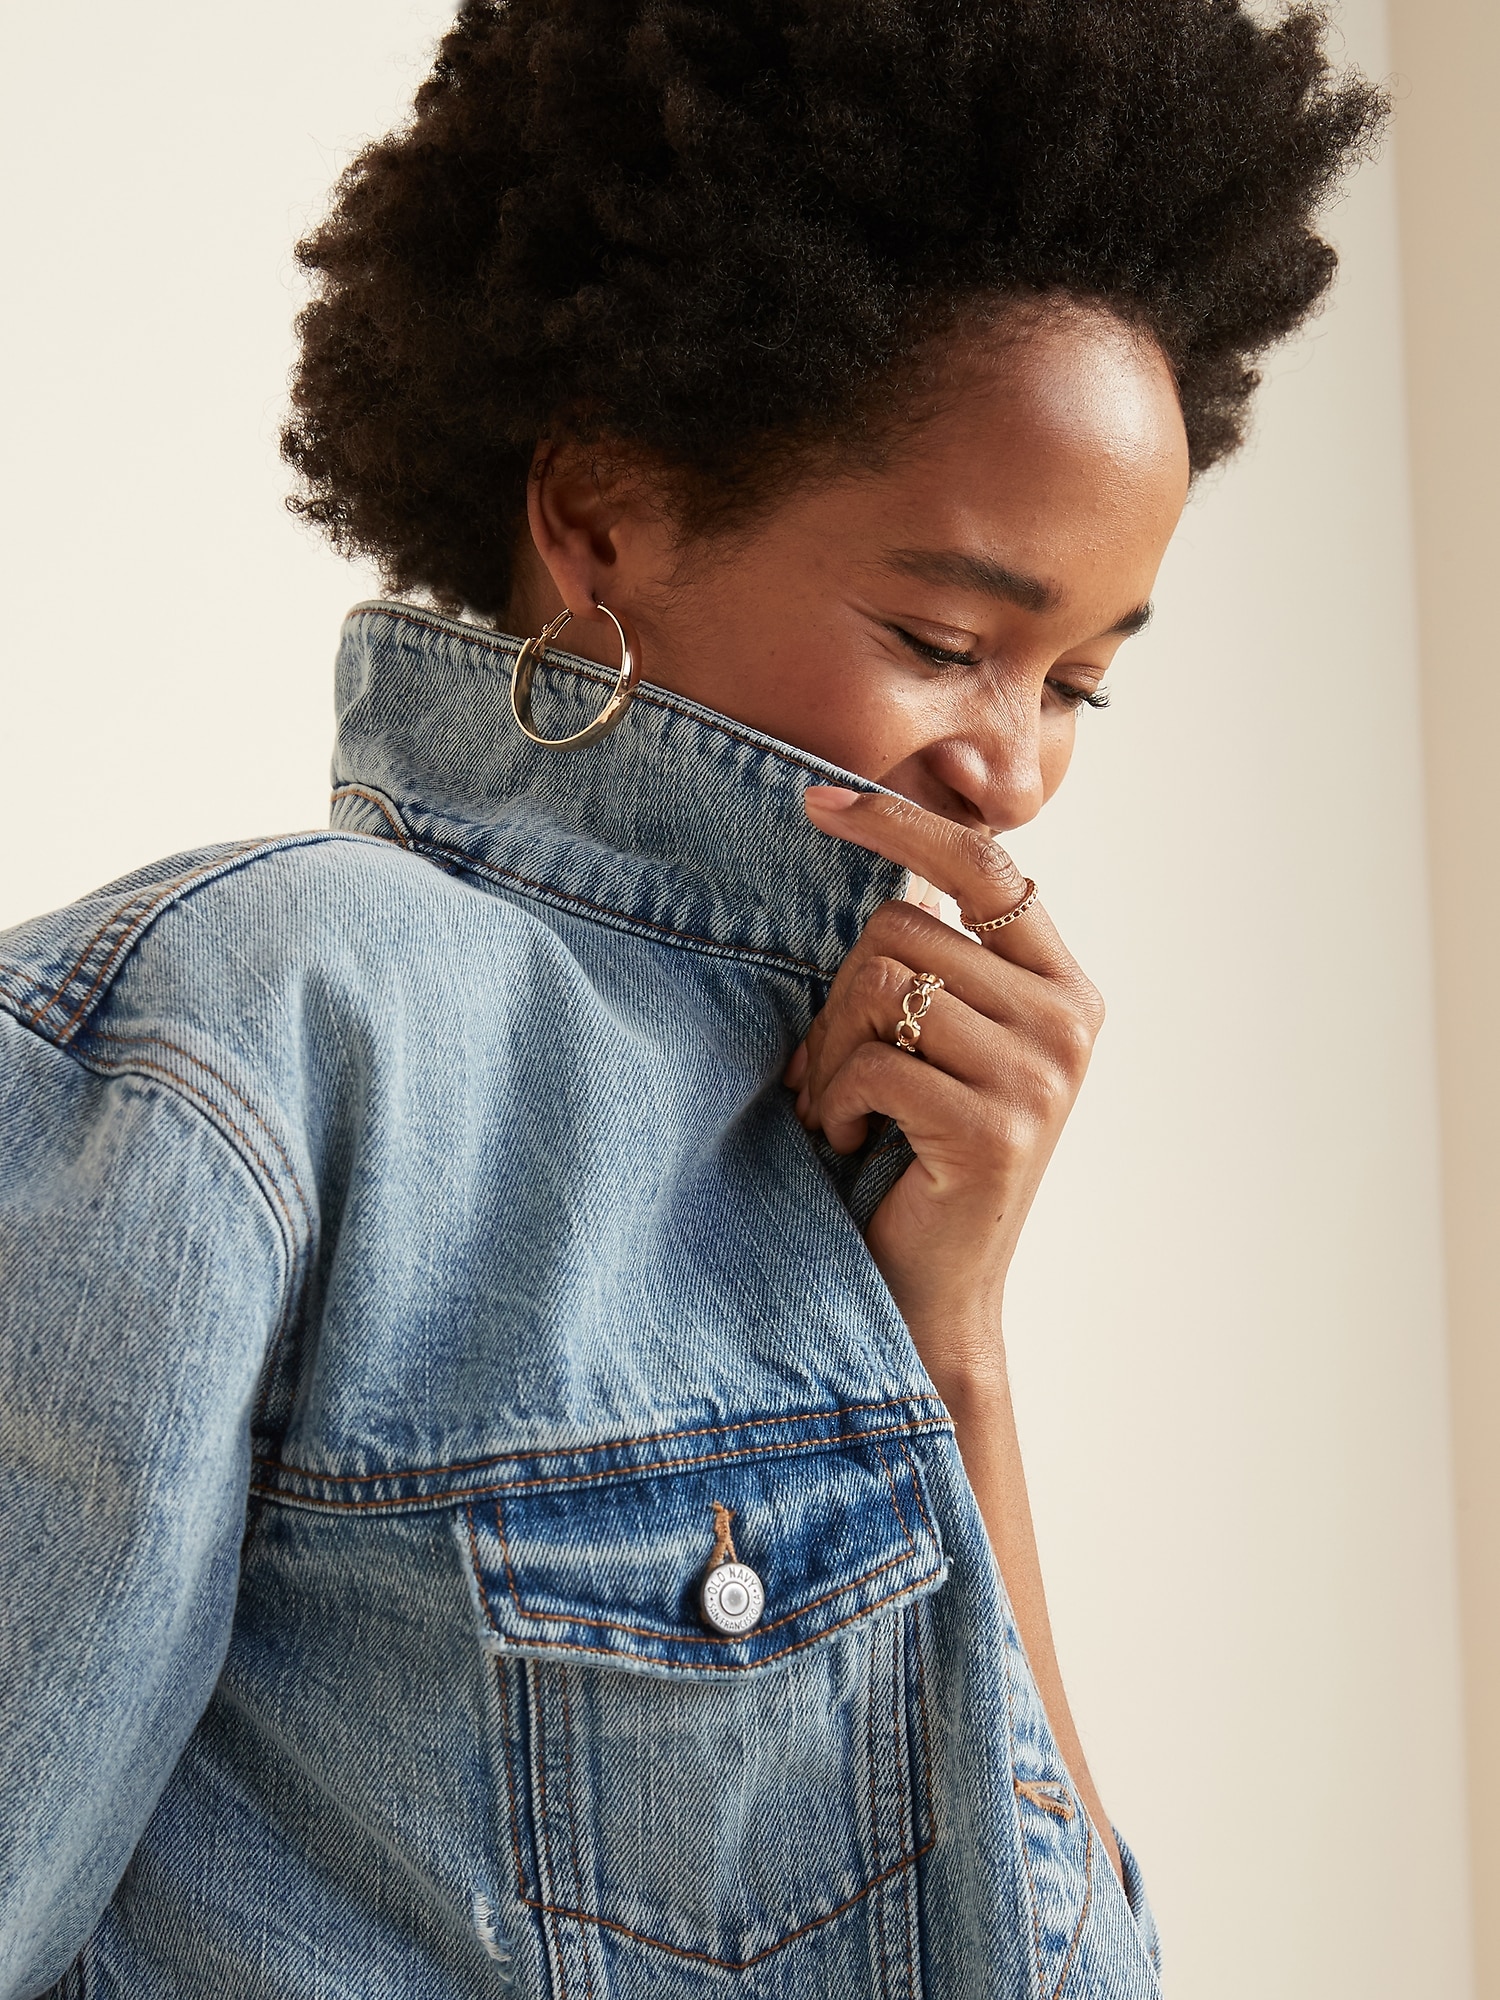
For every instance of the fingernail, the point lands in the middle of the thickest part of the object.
(832, 798)
(796, 1069)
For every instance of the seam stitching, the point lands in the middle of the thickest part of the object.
(731, 1964)
(924, 1791)
(502, 1674)
(734, 1666)
(687, 940)
(701, 1638)
(906, 1817)
(567, 1706)
(265, 1175)
(261, 1172)
(1088, 1897)
(539, 1708)
(879, 1904)
(510, 1782)
(160, 1042)
(383, 805)
(484, 1596)
(134, 925)
(916, 1485)
(581, 1450)
(136, 915)
(921, 1806)
(874, 1795)
(414, 1502)
(295, 1242)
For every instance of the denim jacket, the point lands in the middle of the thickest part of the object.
(415, 1283)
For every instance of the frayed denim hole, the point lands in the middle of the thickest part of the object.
(488, 1931)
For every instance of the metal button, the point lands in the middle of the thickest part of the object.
(732, 1598)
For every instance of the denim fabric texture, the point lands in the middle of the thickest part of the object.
(409, 1253)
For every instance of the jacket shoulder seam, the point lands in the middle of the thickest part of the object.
(59, 1013)
(230, 1132)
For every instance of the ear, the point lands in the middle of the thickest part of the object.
(576, 518)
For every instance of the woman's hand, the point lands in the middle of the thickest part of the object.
(1003, 1051)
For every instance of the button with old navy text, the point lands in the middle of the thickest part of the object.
(732, 1599)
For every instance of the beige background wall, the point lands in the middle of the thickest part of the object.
(1448, 54)
(1228, 1327)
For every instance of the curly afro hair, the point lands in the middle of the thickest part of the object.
(715, 231)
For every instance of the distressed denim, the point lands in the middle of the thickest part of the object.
(409, 1251)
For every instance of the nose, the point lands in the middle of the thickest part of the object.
(996, 764)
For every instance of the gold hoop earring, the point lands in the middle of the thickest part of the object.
(609, 717)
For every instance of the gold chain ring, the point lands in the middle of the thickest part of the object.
(999, 923)
(915, 1008)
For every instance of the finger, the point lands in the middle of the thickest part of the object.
(1004, 993)
(1060, 1018)
(970, 865)
(994, 986)
(950, 1035)
(1041, 1064)
(879, 1081)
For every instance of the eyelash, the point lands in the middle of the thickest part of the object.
(941, 657)
(1080, 697)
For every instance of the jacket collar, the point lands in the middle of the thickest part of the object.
(680, 822)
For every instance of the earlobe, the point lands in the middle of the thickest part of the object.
(572, 521)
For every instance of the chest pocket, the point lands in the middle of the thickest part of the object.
(678, 1793)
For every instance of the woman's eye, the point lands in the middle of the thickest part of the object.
(1077, 697)
(940, 656)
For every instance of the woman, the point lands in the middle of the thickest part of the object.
(510, 1479)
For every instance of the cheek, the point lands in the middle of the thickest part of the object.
(817, 681)
(862, 720)
(1055, 751)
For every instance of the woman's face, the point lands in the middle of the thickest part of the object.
(935, 625)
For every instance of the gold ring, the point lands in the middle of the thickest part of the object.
(909, 1027)
(999, 923)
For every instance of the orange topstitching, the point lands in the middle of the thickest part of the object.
(581, 1450)
(699, 1638)
(414, 1502)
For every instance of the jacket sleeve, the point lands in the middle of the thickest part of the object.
(141, 1279)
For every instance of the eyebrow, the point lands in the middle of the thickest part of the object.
(992, 579)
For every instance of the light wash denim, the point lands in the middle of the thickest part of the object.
(408, 1245)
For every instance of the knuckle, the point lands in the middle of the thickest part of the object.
(1089, 1002)
(1001, 1131)
(892, 926)
(1038, 1094)
(866, 1063)
(1047, 1097)
(1069, 1031)
(1055, 1093)
(1075, 1042)
(998, 873)
(882, 982)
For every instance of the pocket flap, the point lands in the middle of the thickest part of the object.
(616, 1568)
